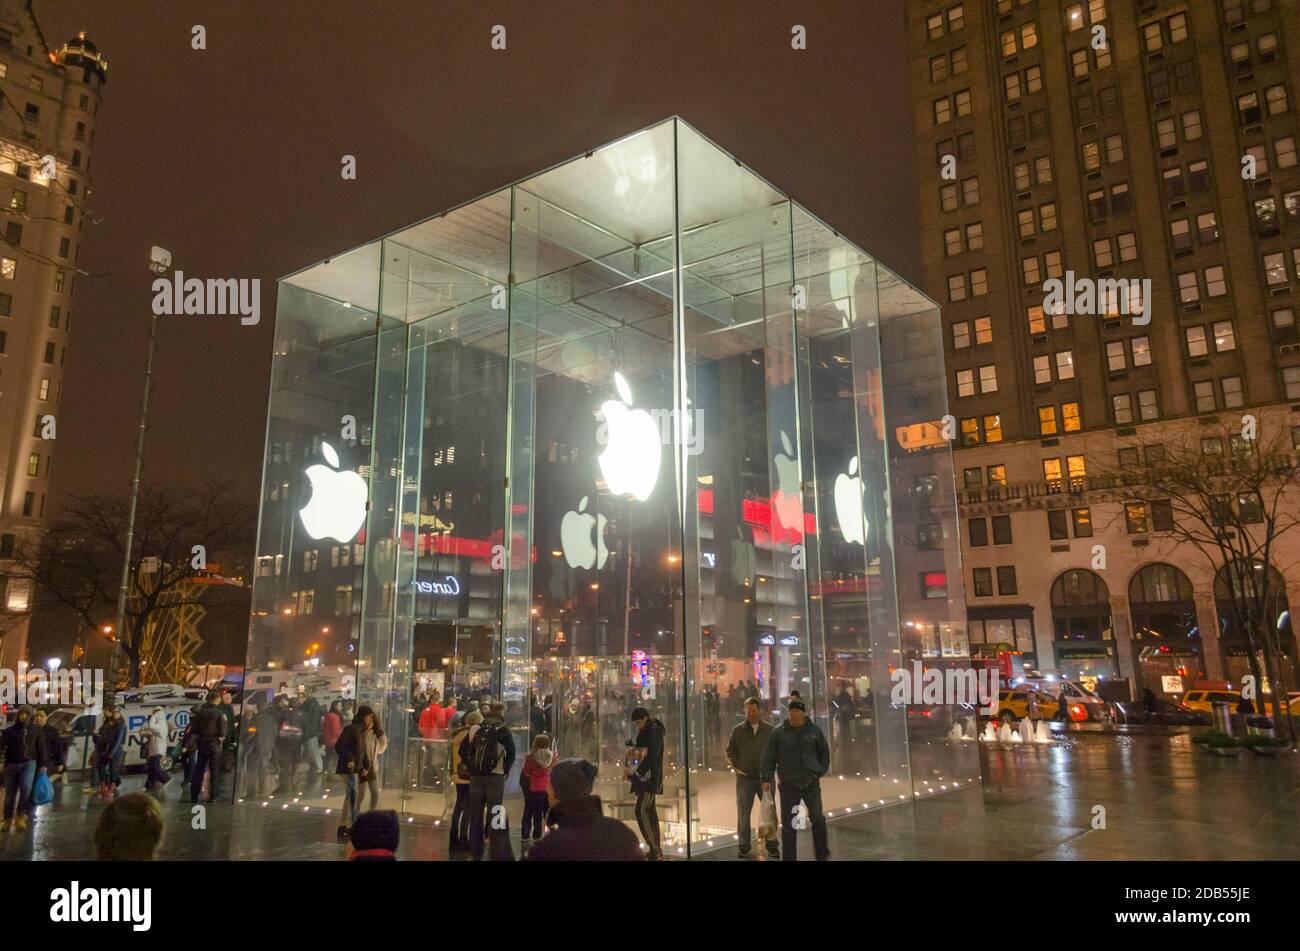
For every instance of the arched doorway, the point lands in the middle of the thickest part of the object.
(1247, 583)
(1166, 636)
(1081, 627)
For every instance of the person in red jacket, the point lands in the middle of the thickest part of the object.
(535, 778)
(430, 719)
(331, 727)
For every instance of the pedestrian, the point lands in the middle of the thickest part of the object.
(209, 731)
(331, 727)
(489, 749)
(429, 718)
(288, 742)
(536, 775)
(582, 832)
(110, 749)
(1063, 706)
(375, 837)
(797, 757)
(51, 751)
(745, 756)
(259, 757)
(353, 764)
(154, 735)
(460, 780)
(376, 742)
(312, 727)
(130, 830)
(1149, 704)
(648, 778)
(228, 711)
(20, 740)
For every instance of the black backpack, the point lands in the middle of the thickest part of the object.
(482, 752)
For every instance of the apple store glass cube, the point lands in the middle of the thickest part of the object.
(636, 431)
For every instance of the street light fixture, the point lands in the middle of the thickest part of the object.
(160, 262)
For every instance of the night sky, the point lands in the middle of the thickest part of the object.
(230, 157)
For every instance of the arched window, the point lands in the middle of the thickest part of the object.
(1159, 583)
(1080, 587)
(1081, 625)
(1167, 642)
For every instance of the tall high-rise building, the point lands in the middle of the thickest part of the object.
(51, 100)
(1127, 141)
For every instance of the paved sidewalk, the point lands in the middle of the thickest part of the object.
(1162, 799)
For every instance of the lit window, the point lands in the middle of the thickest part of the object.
(1196, 342)
(1047, 420)
(1070, 421)
(965, 382)
(1147, 408)
(1233, 396)
(1123, 407)
(8, 268)
(1115, 359)
(1042, 370)
(1141, 347)
(1224, 338)
(983, 329)
(1203, 391)
(1188, 290)
(1216, 281)
(960, 335)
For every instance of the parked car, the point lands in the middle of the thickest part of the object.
(1167, 713)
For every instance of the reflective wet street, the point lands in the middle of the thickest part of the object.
(1162, 799)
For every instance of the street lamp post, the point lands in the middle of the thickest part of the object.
(160, 262)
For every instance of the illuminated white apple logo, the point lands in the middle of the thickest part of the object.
(848, 504)
(338, 500)
(787, 500)
(630, 462)
(576, 538)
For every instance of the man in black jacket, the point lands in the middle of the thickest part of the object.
(797, 757)
(209, 730)
(583, 832)
(489, 751)
(744, 755)
(648, 778)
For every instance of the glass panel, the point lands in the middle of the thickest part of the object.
(916, 406)
(745, 536)
(592, 365)
(306, 625)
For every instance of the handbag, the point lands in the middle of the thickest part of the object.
(42, 789)
(767, 816)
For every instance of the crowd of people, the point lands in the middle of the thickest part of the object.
(287, 737)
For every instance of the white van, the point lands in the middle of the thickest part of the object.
(77, 727)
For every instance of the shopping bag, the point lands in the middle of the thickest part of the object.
(42, 789)
(767, 817)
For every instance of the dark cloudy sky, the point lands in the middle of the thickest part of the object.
(230, 158)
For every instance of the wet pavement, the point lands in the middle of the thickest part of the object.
(1162, 799)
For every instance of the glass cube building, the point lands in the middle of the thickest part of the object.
(636, 431)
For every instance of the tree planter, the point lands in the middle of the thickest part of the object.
(1224, 750)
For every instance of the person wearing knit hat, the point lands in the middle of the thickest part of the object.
(19, 741)
(375, 836)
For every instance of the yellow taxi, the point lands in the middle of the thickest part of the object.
(1201, 700)
(1020, 703)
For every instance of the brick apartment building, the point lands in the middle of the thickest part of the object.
(1107, 138)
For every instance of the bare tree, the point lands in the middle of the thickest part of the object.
(1232, 495)
(78, 562)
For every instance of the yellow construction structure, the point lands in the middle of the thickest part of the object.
(171, 635)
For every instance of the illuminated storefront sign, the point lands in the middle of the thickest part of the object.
(447, 587)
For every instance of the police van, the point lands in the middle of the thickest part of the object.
(77, 726)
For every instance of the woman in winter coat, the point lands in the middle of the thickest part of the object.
(536, 777)
(354, 748)
(331, 728)
(459, 812)
(154, 734)
(110, 750)
(20, 740)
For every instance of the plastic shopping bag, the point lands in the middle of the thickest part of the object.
(767, 817)
(42, 790)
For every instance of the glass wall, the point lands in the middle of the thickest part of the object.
(637, 431)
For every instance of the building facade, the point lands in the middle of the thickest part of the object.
(632, 432)
(1149, 143)
(51, 100)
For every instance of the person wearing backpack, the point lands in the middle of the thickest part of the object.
(489, 749)
(460, 779)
